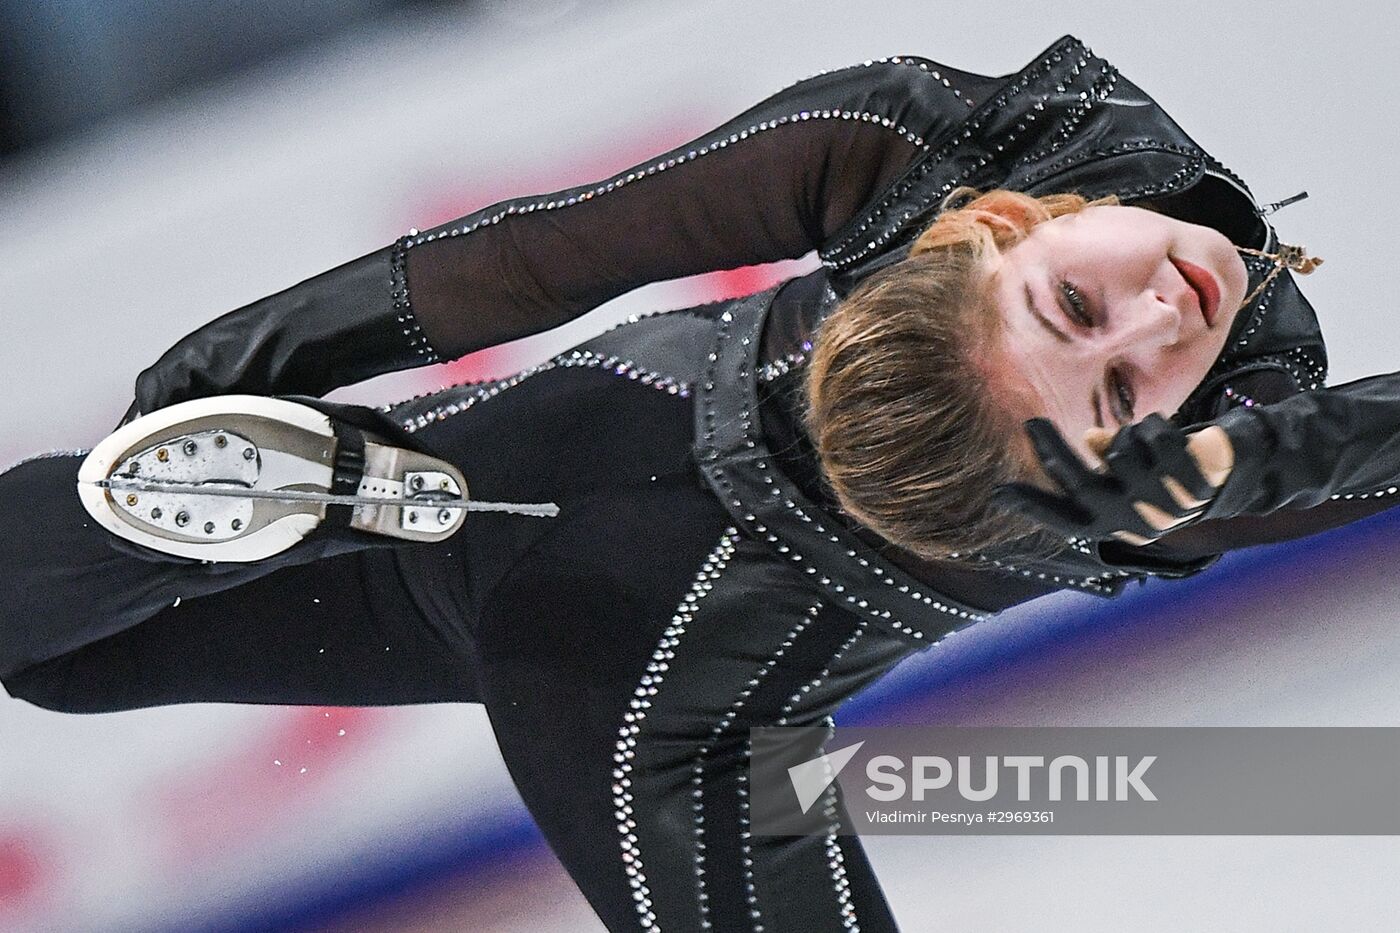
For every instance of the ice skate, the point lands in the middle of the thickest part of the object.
(243, 477)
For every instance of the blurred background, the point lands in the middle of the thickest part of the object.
(164, 161)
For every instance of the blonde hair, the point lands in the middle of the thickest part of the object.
(910, 438)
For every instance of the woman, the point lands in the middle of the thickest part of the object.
(765, 515)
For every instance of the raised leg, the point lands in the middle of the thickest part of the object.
(88, 628)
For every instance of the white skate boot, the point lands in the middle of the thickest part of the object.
(243, 477)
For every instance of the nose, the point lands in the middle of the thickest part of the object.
(1154, 322)
(1144, 330)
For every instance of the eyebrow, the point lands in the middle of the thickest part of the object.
(1044, 321)
(1095, 399)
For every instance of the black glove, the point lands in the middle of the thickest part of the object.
(338, 328)
(1097, 505)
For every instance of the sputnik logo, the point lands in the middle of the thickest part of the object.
(811, 778)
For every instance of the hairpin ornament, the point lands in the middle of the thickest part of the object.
(1287, 257)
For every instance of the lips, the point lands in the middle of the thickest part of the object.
(1204, 285)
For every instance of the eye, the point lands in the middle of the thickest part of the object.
(1122, 394)
(1074, 305)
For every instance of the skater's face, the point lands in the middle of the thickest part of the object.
(1109, 314)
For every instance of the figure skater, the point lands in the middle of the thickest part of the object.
(1053, 344)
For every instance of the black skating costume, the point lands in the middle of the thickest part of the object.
(698, 580)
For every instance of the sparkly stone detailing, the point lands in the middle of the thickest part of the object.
(1089, 584)
(708, 425)
(1261, 304)
(1091, 83)
(835, 859)
(1104, 152)
(1070, 121)
(775, 368)
(1093, 584)
(1307, 370)
(481, 392)
(568, 199)
(697, 780)
(745, 834)
(914, 61)
(484, 390)
(1300, 364)
(1082, 545)
(785, 714)
(840, 255)
(626, 368)
(402, 403)
(1189, 170)
(1238, 398)
(625, 752)
(1373, 494)
(1304, 365)
(408, 321)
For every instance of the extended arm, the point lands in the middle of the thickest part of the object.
(773, 183)
(1307, 463)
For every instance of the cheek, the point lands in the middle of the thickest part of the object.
(1056, 390)
(1203, 354)
(1168, 386)
(1009, 373)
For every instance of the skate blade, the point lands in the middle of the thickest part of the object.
(250, 442)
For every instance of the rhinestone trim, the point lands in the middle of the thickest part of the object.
(835, 859)
(1239, 398)
(922, 64)
(408, 321)
(1099, 90)
(1092, 584)
(1307, 370)
(781, 367)
(1104, 152)
(631, 319)
(569, 358)
(785, 714)
(625, 751)
(1261, 306)
(833, 258)
(1089, 584)
(1373, 494)
(697, 781)
(708, 458)
(563, 199)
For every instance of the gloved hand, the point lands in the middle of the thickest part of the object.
(1155, 479)
(338, 328)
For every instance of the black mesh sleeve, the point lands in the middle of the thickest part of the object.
(773, 183)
